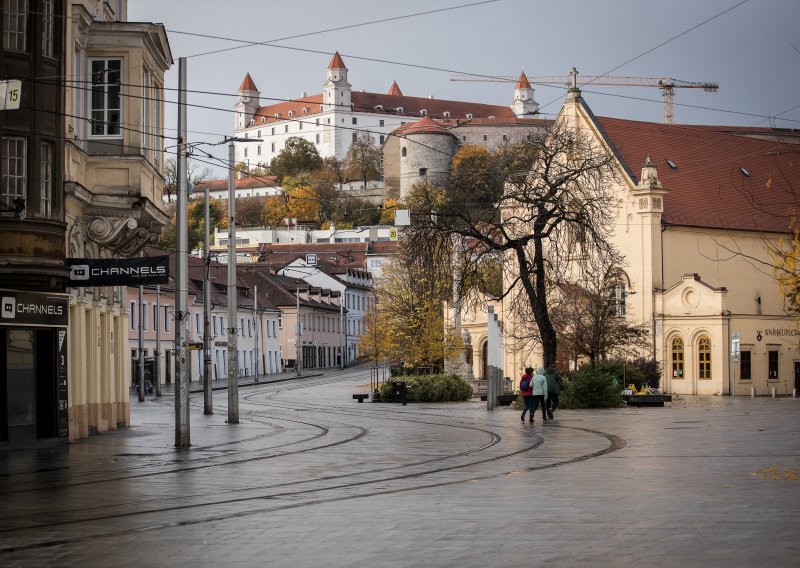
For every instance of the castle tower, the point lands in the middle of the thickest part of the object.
(425, 154)
(524, 106)
(248, 103)
(336, 90)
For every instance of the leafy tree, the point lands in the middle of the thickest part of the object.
(249, 211)
(786, 254)
(539, 202)
(387, 212)
(275, 210)
(195, 217)
(363, 159)
(303, 203)
(298, 156)
(335, 170)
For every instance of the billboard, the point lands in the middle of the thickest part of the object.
(140, 271)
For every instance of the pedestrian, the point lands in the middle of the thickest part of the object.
(553, 382)
(539, 383)
(526, 390)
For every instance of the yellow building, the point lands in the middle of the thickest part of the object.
(699, 209)
(113, 184)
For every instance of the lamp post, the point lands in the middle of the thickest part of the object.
(208, 406)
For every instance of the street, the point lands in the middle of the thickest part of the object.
(310, 477)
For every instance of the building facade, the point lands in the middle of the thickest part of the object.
(113, 184)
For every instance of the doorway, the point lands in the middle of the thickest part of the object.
(797, 375)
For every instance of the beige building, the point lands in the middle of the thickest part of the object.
(699, 210)
(113, 184)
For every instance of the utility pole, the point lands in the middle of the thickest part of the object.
(257, 324)
(140, 360)
(297, 363)
(208, 407)
(182, 439)
(157, 360)
(233, 346)
(342, 335)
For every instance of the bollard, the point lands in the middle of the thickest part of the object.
(752, 392)
(794, 393)
(773, 392)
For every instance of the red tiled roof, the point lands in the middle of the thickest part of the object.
(383, 247)
(244, 183)
(522, 82)
(708, 187)
(335, 254)
(336, 62)
(394, 90)
(424, 126)
(380, 103)
(248, 84)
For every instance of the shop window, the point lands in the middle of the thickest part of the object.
(772, 356)
(745, 366)
(677, 357)
(704, 358)
(106, 97)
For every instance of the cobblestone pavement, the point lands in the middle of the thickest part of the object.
(310, 477)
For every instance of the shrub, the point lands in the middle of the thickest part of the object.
(430, 388)
(591, 387)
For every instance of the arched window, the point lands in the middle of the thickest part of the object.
(403, 152)
(704, 358)
(677, 357)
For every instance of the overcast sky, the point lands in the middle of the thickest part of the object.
(752, 51)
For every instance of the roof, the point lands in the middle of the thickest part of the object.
(337, 62)
(383, 104)
(424, 126)
(384, 247)
(248, 182)
(335, 255)
(719, 180)
(248, 84)
(394, 90)
(522, 82)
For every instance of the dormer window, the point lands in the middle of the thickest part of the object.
(291, 113)
(305, 110)
(672, 164)
(378, 107)
(277, 115)
(263, 120)
(469, 116)
(446, 114)
(321, 107)
(399, 110)
(423, 112)
(252, 121)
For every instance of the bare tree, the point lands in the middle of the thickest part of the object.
(363, 159)
(545, 204)
(194, 175)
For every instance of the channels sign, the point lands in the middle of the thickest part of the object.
(141, 271)
(33, 309)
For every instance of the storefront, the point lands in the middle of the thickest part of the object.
(33, 366)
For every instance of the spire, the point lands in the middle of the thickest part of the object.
(336, 62)
(522, 82)
(649, 179)
(248, 84)
(395, 90)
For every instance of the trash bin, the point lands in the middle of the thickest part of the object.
(399, 392)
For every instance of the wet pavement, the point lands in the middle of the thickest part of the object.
(310, 477)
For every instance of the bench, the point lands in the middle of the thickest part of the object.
(360, 397)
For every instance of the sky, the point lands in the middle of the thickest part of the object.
(751, 48)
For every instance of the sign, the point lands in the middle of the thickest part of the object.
(61, 384)
(140, 271)
(393, 234)
(311, 259)
(33, 308)
(10, 94)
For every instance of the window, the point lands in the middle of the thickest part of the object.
(704, 358)
(381, 122)
(382, 139)
(286, 128)
(677, 358)
(144, 316)
(14, 169)
(214, 322)
(355, 136)
(423, 112)
(15, 24)
(772, 356)
(273, 147)
(485, 137)
(505, 137)
(273, 132)
(403, 152)
(133, 315)
(316, 122)
(106, 108)
(245, 152)
(47, 28)
(46, 179)
(618, 300)
(355, 120)
(745, 366)
(166, 318)
(464, 138)
(317, 138)
(423, 172)
(259, 134)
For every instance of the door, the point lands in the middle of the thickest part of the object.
(797, 375)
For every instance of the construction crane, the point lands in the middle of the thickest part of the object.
(667, 85)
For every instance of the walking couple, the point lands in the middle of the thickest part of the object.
(539, 389)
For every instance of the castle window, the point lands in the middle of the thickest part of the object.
(469, 116)
(403, 152)
(446, 114)
(400, 110)
(286, 128)
(355, 120)
(259, 134)
(317, 138)
(423, 112)
(382, 138)
(273, 147)
(464, 138)
(259, 149)
(381, 122)
(505, 138)
(423, 172)
(317, 122)
(300, 125)
(355, 136)
(263, 120)
(305, 110)
(291, 113)
(485, 137)
(273, 131)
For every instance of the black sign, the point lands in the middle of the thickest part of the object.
(139, 271)
(61, 384)
(33, 308)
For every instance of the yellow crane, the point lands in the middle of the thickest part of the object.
(666, 84)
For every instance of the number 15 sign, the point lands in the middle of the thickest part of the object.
(10, 94)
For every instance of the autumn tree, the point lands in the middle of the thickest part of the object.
(387, 212)
(275, 210)
(363, 159)
(541, 203)
(298, 156)
(195, 210)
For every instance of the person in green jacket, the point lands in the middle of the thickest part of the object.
(553, 384)
(539, 385)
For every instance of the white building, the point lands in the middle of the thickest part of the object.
(332, 119)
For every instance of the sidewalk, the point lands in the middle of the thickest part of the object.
(244, 381)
